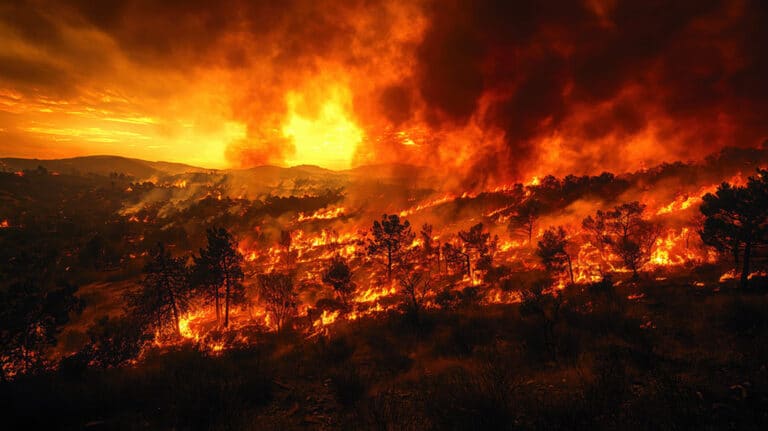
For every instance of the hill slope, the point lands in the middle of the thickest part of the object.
(100, 165)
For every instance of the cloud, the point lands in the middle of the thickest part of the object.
(497, 90)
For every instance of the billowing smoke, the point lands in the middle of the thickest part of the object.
(494, 90)
(596, 85)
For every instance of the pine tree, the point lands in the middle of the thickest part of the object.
(165, 291)
(391, 237)
(218, 271)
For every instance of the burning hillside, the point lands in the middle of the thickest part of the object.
(305, 224)
(223, 261)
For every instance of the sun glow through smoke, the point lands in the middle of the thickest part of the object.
(324, 136)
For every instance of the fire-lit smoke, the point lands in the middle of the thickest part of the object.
(494, 90)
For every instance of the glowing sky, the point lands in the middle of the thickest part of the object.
(489, 88)
(118, 78)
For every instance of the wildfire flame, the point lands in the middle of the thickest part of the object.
(323, 214)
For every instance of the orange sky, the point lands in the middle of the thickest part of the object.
(495, 87)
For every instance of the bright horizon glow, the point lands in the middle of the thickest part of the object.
(323, 135)
(327, 137)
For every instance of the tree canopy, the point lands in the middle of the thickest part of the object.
(736, 219)
(391, 236)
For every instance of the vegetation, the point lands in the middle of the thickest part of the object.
(219, 271)
(624, 232)
(478, 242)
(102, 291)
(735, 220)
(525, 217)
(279, 296)
(31, 317)
(552, 250)
(390, 239)
(339, 277)
(165, 292)
(509, 366)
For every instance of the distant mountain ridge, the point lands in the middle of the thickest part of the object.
(144, 169)
(101, 165)
(718, 164)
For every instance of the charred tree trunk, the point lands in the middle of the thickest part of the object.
(175, 312)
(530, 233)
(226, 302)
(218, 307)
(469, 267)
(288, 259)
(570, 268)
(745, 268)
(160, 304)
(176, 319)
(415, 306)
(438, 259)
(389, 264)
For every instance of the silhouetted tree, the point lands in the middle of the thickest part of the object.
(165, 291)
(625, 232)
(736, 219)
(456, 257)
(113, 342)
(546, 308)
(430, 247)
(478, 242)
(391, 237)
(552, 251)
(220, 266)
(32, 316)
(524, 219)
(276, 290)
(718, 231)
(414, 286)
(286, 240)
(595, 231)
(338, 275)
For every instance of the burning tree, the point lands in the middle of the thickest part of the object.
(478, 242)
(165, 291)
(525, 218)
(338, 275)
(430, 247)
(736, 219)
(391, 237)
(220, 265)
(286, 240)
(625, 232)
(455, 257)
(280, 298)
(552, 251)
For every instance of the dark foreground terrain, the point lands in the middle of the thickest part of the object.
(675, 356)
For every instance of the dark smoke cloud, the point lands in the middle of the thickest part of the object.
(690, 73)
(543, 61)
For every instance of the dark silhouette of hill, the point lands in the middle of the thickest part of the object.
(101, 165)
(395, 176)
